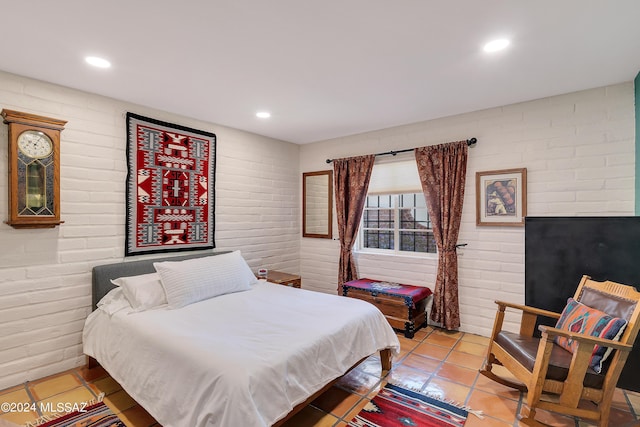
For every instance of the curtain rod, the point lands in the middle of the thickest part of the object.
(470, 142)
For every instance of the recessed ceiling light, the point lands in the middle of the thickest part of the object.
(496, 45)
(263, 114)
(97, 62)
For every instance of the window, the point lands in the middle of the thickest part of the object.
(396, 223)
(395, 218)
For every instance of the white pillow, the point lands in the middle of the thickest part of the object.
(193, 280)
(113, 302)
(143, 292)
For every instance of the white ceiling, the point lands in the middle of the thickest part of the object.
(326, 68)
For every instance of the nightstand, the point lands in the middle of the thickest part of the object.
(281, 278)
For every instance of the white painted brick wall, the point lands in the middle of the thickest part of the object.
(45, 275)
(578, 149)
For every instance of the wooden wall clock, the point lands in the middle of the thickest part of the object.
(34, 170)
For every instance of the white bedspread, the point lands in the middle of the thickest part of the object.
(243, 359)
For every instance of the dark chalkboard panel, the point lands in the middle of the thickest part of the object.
(559, 250)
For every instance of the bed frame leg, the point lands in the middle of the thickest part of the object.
(92, 363)
(385, 359)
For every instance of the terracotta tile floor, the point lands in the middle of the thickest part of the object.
(435, 361)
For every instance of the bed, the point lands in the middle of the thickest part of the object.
(250, 356)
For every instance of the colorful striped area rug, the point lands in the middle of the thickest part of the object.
(395, 406)
(98, 415)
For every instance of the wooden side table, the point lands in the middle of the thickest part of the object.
(282, 278)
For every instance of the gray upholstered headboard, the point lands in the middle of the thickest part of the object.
(102, 274)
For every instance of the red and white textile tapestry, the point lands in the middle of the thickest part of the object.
(170, 187)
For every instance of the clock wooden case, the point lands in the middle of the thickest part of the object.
(34, 170)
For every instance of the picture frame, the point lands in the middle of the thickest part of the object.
(501, 197)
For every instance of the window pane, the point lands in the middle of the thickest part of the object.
(386, 240)
(407, 241)
(385, 218)
(372, 201)
(414, 219)
(407, 219)
(417, 242)
(385, 201)
(370, 219)
(420, 201)
(378, 239)
(422, 217)
(370, 239)
(378, 218)
(407, 200)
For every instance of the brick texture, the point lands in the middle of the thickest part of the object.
(578, 149)
(45, 275)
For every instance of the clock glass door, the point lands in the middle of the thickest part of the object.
(38, 177)
(36, 195)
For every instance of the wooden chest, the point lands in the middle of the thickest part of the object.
(404, 306)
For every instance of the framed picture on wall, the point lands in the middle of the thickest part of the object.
(501, 197)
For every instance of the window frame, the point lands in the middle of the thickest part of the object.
(396, 208)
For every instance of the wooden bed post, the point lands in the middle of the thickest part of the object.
(92, 363)
(385, 359)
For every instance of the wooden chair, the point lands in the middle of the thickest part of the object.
(554, 378)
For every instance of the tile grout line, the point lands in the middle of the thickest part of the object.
(629, 404)
(472, 387)
(33, 399)
(378, 383)
(339, 419)
(342, 418)
(434, 374)
(85, 384)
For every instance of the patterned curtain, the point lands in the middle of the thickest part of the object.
(442, 169)
(351, 180)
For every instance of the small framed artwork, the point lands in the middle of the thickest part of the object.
(501, 197)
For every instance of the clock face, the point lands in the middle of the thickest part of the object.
(35, 144)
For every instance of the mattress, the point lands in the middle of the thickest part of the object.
(245, 358)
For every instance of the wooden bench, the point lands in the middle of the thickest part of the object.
(404, 306)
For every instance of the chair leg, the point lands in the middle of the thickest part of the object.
(533, 397)
(530, 420)
(605, 409)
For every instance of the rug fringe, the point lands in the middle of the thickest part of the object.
(51, 417)
(475, 412)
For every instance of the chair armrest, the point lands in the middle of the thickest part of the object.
(529, 316)
(528, 309)
(582, 338)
